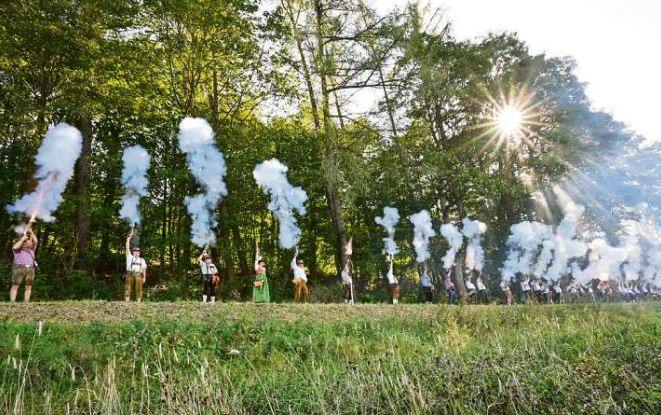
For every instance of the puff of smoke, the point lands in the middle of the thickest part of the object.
(642, 241)
(579, 275)
(134, 179)
(56, 160)
(455, 239)
(566, 244)
(388, 222)
(422, 232)
(545, 256)
(473, 230)
(524, 244)
(632, 262)
(207, 165)
(605, 260)
(271, 177)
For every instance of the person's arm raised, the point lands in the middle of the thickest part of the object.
(17, 245)
(127, 245)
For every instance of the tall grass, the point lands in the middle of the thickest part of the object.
(236, 359)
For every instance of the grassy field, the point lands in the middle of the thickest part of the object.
(190, 358)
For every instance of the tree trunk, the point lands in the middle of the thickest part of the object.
(329, 163)
(459, 259)
(164, 220)
(83, 176)
(304, 64)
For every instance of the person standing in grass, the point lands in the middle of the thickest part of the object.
(558, 296)
(427, 286)
(260, 289)
(525, 288)
(22, 271)
(507, 290)
(481, 289)
(450, 289)
(136, 270)
(300, 279)
(470, 287)
(210, 277)
(347, 283)
(392, 282)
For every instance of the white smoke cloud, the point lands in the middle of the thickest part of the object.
(605, 260)
(473, 231)
(642, 241)
(566, 245)
(271, 177)
(422, 231)
(207, 165)
(56, 160)
(455, 239)
(134, 179)
(524, 242)
(388, 222)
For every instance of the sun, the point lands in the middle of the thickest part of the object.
(509, 120)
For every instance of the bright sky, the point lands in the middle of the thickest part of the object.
(616, 43)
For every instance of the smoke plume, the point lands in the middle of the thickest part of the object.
(271, 177)
(605, 260)
(524, 244)
(566, 245)
(134, 179)
(56, 160)
(473, 231)
(207, 165)
(388, 222)
(422, 232)
(455, 239)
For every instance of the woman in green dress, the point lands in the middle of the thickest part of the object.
(260, 289)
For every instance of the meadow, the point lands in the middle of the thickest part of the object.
(237, 358)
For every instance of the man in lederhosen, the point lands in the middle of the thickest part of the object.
(136, 270)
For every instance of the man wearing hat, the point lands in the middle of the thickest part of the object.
(210, 276)
(300, 278)
(136, 270)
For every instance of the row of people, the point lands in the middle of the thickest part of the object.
(529, 288)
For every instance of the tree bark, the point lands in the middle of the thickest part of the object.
(296, 34)
(330, 167)
(83, 177)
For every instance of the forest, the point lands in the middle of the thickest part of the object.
(368, 110)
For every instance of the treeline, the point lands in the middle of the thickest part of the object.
(278, 79)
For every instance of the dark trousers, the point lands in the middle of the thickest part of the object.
(482, 296)
(347, 292)
(209, 287)
(429, 294)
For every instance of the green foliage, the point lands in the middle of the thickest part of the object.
(134, 69)
(243, 358)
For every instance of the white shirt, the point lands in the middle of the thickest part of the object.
(470, 285)
(525, 285)
(535, 286)
(480, 285)
(391, 276)
(504, 285)
(557, 289)
(346, 278)
(299, 272)
(208, 269)
(134, 264)
(425, 281)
